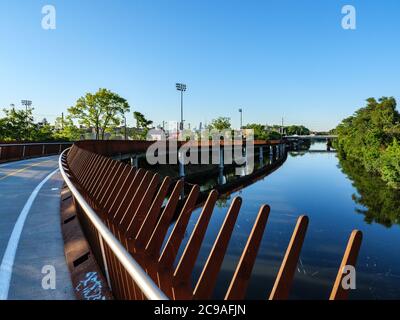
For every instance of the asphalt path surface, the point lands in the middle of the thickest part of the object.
(32, 257)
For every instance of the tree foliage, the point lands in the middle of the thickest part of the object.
(142, 124)
(380, 203)
(221, 123)
(18, 125)
(66, 130)
(102, 110)
(371, 138)
(297, 130)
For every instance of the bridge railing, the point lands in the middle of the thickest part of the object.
(126, 217)
(107, 247)
(19, 151)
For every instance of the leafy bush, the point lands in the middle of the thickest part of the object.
(390, 165)
(370, 137)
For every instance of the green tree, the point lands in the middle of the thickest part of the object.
(221, 123)
(390, 165)
(370, 137)
(259, 131)
(295, 129)
(262, 133)
(142, 124)
(65, 129)
(102, 110)
(17, 125)
(42, 132)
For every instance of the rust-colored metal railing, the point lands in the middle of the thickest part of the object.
(125, 216)
(18, 151)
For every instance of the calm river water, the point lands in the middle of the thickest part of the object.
(314, 184)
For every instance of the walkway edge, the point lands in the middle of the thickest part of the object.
(12, 246)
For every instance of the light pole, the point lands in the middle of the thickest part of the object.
(26, 103)
(181, 87)
(125, 127)
(241, 118)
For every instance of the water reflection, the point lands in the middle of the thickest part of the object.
(379, 202)
(338, 196)
(333, 197)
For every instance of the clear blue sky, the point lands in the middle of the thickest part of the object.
(272, 58)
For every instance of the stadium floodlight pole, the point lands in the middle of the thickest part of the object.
(26, 103)
(241, 118)
(182, 88)
(125, 127)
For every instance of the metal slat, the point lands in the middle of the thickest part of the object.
(150, 220)
(283, 281)
(134, 204)
(143, 207)
(349, 259)
(174, 241)
(185, 266)
(238, 286)
(153, 247)
(130, 193)
(206, 283)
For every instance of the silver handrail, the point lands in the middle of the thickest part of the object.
(140, 277)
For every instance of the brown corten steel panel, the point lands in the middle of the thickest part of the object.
(131, 201)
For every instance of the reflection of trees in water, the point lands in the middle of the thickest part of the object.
(381, 202)
(222, 202)
(297, 154)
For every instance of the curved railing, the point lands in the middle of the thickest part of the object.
(19, 151)
(147, 286)
(125, 216)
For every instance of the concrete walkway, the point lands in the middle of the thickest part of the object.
(31, 244)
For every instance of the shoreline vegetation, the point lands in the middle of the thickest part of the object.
(371, 138)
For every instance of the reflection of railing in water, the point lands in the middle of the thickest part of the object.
(226, 181)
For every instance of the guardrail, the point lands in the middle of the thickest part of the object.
(125, 216)
(19, 151)
(139, 276)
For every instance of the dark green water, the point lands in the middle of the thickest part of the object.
(336, 203)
